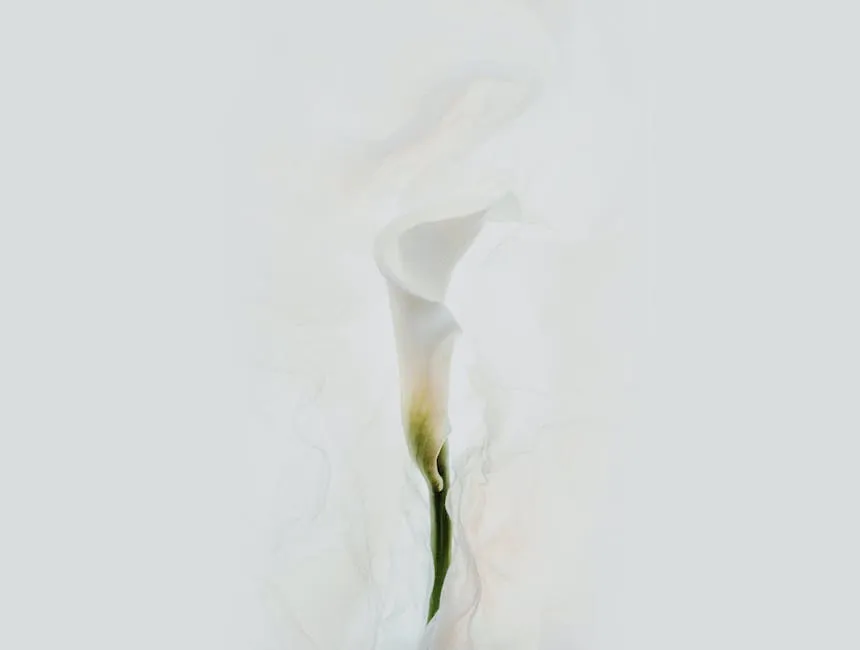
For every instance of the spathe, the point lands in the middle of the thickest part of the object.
(417, 254)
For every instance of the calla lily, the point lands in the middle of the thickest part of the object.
(417, 254)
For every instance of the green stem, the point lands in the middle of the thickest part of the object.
(440, 533)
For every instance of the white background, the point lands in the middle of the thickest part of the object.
(124, 271)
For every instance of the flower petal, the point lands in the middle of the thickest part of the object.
(417, 254)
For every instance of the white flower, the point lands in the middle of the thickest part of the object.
(417, 254)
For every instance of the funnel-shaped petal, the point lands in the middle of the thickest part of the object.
(417, 254)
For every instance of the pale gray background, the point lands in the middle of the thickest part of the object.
(124, 486)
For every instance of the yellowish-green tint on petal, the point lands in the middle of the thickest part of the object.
(425, 440)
